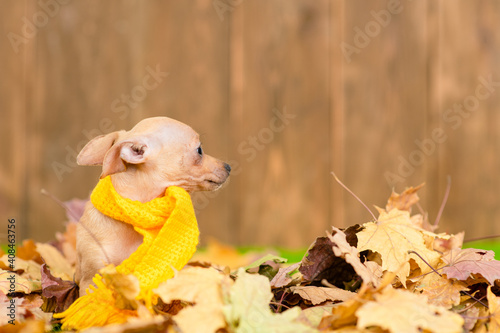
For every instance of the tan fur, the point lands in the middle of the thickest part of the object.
(157, 153)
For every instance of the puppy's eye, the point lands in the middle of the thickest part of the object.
(199, 151)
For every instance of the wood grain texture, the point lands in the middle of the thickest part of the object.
(385, 100)
(15, 90)
(270, 148)
(337, 112)
(196, 56)
(468, 52)
(232, 70)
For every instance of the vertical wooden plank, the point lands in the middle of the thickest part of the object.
(92, 59)
(15, 66)
(337, 110)
(284, 172)
(436, 183)
(385, 100)
(84, 58)
(190, 41)
(468, 49)
(237, 88)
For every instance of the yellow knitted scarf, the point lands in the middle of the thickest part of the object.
(168, 225)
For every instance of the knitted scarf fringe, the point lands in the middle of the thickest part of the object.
(95, 309)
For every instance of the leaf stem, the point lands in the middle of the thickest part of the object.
(435, 271)
(354, 195)
(445, 199)
(414, 252)
(74, 217)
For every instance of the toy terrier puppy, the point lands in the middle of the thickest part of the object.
(157, 153)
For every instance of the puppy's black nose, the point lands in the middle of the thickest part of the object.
(227, 167)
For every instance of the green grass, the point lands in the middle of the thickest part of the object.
(292, 255)
(296, 255)
(493, 245)
(5, 248)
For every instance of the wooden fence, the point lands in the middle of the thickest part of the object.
(384, 93)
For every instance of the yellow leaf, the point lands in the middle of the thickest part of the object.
(31, 326)
(203, 288)
(405, 200)
(11, 282)
(441, 291)
(354, 329)
(392, 236)
(317, 295)
(126, 287)
(31, 270)
(248, 309)
(494, 308)
(156, 324)
(402, 311)
(314, 314)
(341, 248)
(59, 266)
(343, 315)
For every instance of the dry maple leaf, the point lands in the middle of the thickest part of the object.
(158, 324)
(473, 313)
(31, 326)
(74, 209)
(461, 263)
(318, 295)
(247, 309)
(393, 236)
(402, 311)
(405, 200)
(125, 287)
(343, 315)
(11, 282)
(62, 293)
(494, 310)
(342, 249)
(446, 242)
(320, 262)
(441, 291)
(59, 266)
(28, 314)
(314, 314)
(203, 288)
(283, 278)
(27, 251)
(66, 242)
(27, 269)
(267, 266)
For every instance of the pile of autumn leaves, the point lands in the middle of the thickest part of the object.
(390, 275)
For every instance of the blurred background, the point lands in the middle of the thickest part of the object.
(386, 94)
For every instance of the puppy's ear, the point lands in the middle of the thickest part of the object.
(134, 151)
(94, 152)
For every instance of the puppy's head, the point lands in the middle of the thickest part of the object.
(160, 151)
